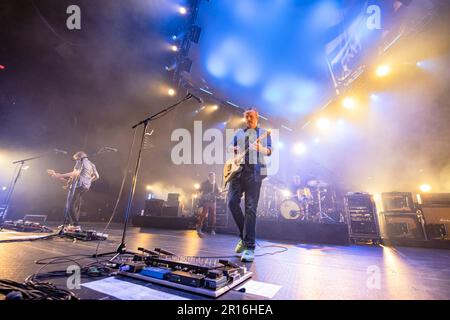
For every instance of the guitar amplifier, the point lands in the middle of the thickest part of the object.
(436, 212)
(170, 211)
(435, 200)
(398, 202)
(404, 225)
(437, 221)
(153, 207)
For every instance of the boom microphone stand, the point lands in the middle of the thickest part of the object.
(121, 249)
(16, 176)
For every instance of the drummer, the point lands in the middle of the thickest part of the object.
(296, 184)
(300, 189)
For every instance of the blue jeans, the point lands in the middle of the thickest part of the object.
(245, 183)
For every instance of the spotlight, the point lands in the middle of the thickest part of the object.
(286, 193)
(349, 103)
(148, 187)
(425, 187)
(182, 10)
(323, 123)
(171, 92)
(383, 70)
(215, 107)
(174, 48)
(299, 148)
(4, 188)
(196, 186)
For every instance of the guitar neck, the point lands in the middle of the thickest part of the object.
(265, 134)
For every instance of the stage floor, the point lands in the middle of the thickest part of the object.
(304, 271)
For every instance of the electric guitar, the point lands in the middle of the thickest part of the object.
(233, 165)
(69, 182)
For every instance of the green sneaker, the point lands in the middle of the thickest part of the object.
(239, 247)
(248, 255)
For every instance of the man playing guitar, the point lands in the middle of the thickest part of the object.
(207, 203)
(81, 177)
(248, 180)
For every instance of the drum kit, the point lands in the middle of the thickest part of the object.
(314, 202)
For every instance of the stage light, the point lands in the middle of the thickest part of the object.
(4, 188)
(148, 187)
(286, 193)
(26, 168)
(215, 107)
(383, 70)
(182, 10)
(323, 123)
(171, 92)
(196, 186)
(174, 37)
(299, 148)
(349, 103)
(195, 196)
(174, 48)
(425, 187)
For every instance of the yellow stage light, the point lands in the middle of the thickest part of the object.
(425, 187)
(196, 186)
(171, 92)
(286, 193)
(349, 103)
(323, 123)
(148, 187)
(299, 148)
(174, 48)
(383, 70)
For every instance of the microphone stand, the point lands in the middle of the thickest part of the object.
(121, 249)
(16, 176)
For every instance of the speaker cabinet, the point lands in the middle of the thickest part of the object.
(403, 225)
(153, 207)
(437, 220)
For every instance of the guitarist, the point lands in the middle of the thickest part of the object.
(207, 203)
(248, 181)
(83, 174)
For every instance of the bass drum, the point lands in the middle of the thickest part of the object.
(290, 210)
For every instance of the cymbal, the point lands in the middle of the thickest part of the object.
(317, 183)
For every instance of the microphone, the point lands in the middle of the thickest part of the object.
(59, 151)
(111, 149)
(199, 100)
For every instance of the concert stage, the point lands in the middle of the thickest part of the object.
(307, 232)
(303, 271)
